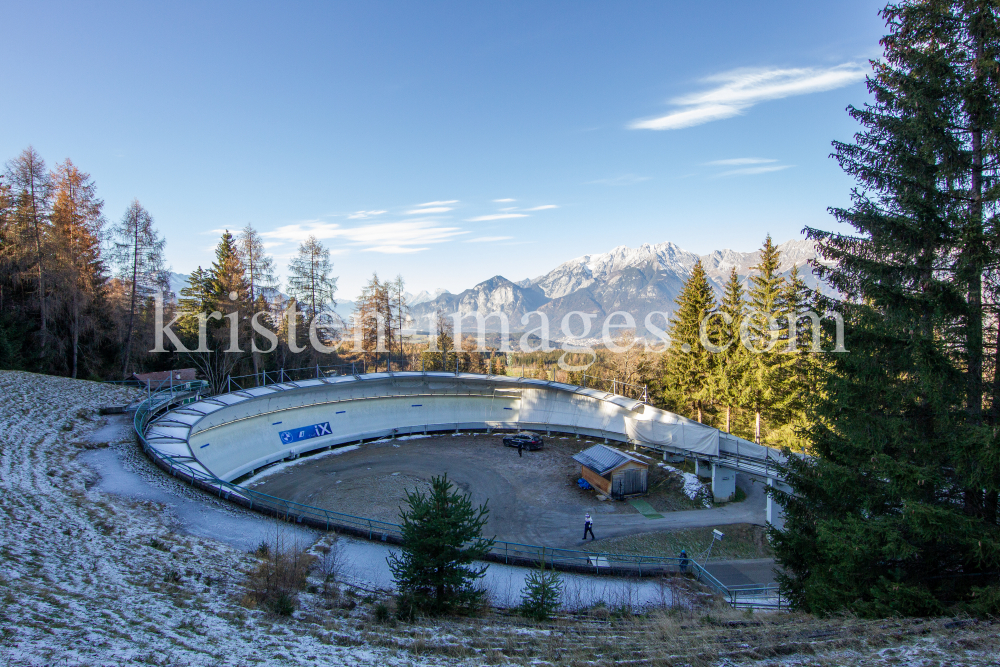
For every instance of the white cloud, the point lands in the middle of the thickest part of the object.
(497, 216)
(487, 239)
(738, 90)
(750, 171)
(437, 203)
(542, 208)
(501, 201)
(360, 215)
(432, 209)
(736, 161)
(387, 237)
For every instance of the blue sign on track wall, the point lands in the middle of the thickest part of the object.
(305, 433)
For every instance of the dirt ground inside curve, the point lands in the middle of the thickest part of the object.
(533, 499)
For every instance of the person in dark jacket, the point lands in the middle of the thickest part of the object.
(588, 526)
(520, 446)
(684, 562)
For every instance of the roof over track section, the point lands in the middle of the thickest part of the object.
(230, 435)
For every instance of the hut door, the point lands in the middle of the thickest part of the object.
(633, 482)
(618, 485)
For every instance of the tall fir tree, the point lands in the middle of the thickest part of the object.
(897, 513)
(216, 302)
(688, 365)
(730, 352)
(765, 387)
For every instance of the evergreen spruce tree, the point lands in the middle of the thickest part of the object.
(765, 388)
(220, 295)
(801, 363)
(897, 513)
(687, 366)
(442, 536)
(729, 360)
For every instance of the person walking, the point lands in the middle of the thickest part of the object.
(520, 446)
(588, 526)
(684, 562)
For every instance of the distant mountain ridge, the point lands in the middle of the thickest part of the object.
(635, 280)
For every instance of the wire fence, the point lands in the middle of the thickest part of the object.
(512, 553)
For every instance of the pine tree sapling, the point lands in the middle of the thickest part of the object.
(542, 593)
(442, 537)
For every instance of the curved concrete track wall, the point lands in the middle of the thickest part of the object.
(231, 435)
(212, 441)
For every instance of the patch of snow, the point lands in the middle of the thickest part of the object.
(693, 487)
(284, 465)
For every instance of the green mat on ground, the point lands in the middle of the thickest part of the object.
(644, 508)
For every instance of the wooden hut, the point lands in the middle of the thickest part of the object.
(613, 473)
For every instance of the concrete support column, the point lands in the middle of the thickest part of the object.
(702, 468)
(775, 512)
(723, 483)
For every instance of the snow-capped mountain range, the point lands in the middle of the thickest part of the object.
(635, 280)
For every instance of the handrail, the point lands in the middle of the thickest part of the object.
(506, 552)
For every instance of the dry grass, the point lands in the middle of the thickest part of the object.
(742, 540)
(712, 636)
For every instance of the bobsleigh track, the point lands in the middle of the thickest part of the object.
(215, 441)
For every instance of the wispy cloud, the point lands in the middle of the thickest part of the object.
(361, 215)
(437, 203)
(487, 239)
(497, 216)
(386, 237)
(750, 171)
(736, 161)
(544, 207)
(432, 209)
(737, 90)
(625, 179)
(501, 201)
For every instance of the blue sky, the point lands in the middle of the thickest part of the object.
(448, 142)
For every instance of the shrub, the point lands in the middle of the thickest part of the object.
(279, 575)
